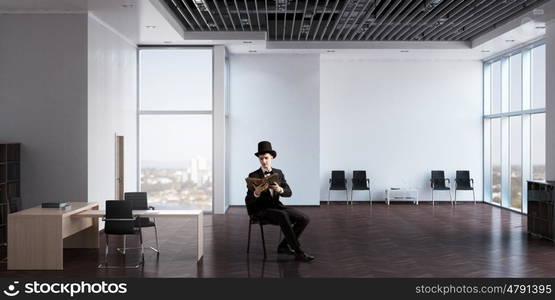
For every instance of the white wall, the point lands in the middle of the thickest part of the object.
(112, 109)
(43, 103)
(275, 98)
(398, 120)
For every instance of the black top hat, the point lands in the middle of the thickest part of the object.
(265, 147)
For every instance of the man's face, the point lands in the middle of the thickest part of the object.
(265, 160)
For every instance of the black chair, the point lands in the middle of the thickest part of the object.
(438, 183)
(14, 204)
(338, 183)
(261, 222)
(463, 182)
(119, 220)
(360, 183)
(139, 202)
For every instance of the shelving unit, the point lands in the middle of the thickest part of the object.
(10, 187)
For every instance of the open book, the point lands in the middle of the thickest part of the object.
(252, 182)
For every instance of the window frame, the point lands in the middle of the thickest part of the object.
(526, 113)
(169, 112)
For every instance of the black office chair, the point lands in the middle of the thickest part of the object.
(14, 204)
(119, 220)
(360, 183)
(463, 182)
(338, 183)
(139, 202)
(438, 181)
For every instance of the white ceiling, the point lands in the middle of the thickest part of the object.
(143, 23)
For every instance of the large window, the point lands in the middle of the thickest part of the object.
(175, 127)
(514, 125)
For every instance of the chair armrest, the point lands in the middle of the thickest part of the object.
(472, 182)
(368, 182)
(448, 181)
(151, 207)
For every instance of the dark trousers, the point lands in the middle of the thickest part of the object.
(291, 221)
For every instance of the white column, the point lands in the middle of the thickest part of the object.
(218, 144)
(550, 100)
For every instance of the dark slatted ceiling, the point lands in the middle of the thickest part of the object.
(351, 20)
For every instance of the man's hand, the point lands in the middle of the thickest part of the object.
(278, 189)
(259, 189)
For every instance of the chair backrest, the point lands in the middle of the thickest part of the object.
(119, 217)
(139, 200)
(359, 179)
(338, 179)
(463, 178)
(438, 179)
(15, 204)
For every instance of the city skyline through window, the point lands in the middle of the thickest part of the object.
(175, 127)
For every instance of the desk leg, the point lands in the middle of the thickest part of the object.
(200, 237)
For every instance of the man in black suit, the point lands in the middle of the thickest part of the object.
(263, 202)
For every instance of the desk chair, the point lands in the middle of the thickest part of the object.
(139, 202)
(463, 182)
(338, 183)
(119, 220)
(438, 181)
(360, 183)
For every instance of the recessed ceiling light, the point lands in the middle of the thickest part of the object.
(485, 51)
(404, 51)
(247, 42)
(128, 5)
(167, 42)
(150, 26)
(252, 51)
(538, 11)
(330, 51)
(510, 41)
(540, 27)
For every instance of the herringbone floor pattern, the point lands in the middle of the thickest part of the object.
(399, 240)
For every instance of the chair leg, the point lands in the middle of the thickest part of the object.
(474, 196)
(351, 197)
(450, 198)
(329, 195)
(124, 244)
(455, 196)
(370, 196)
(157, 244)
(263, 241)
(249, 239)
(142, 247)
(433, 198)
(106, 253)
(347, 196)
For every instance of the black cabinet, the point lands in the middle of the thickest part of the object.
(540, 209)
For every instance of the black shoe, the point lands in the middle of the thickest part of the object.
(285, 250)
(301, 256)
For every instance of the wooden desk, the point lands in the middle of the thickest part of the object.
(95, 214)
(37, 236)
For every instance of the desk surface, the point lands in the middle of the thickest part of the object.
(76, 207)
(144, 213)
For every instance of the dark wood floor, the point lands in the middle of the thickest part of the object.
(399, 240)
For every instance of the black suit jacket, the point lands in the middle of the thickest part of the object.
(265, 201)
